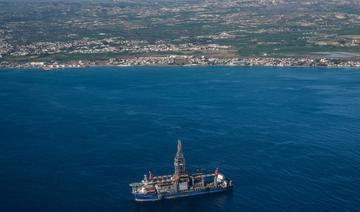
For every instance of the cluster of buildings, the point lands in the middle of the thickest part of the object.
(180, 60)
(5, 47)
(173, 60)
(83, 46)
(105, 45)
(284, 62)
(128, 33)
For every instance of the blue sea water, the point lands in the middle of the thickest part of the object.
(73, 140)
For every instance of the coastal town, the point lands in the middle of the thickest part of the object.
(175, 60)
(55, 35)
(117, 51)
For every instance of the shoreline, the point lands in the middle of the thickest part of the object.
(187, 61)
(174, 66)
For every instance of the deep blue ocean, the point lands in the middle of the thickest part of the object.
(73, 140)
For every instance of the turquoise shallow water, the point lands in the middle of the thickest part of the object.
(73, 140)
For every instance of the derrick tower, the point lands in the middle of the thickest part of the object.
(179, 161)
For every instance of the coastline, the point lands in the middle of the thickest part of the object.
(188, 62)
(172, 66)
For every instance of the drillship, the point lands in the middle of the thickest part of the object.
(180, 184)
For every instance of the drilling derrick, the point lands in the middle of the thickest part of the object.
(179, 161)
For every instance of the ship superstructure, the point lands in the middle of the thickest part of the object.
(179, 184)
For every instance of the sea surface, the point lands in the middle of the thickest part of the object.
(73, 140)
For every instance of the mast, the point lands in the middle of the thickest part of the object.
(179, 161)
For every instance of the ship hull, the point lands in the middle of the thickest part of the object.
(146, 197)
(155, 197)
